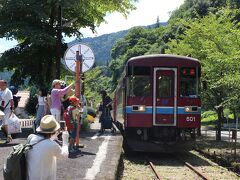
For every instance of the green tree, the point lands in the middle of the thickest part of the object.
(38, 27)
(97, 79)
(137, 42)
(213, 40)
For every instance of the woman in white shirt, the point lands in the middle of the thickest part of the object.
(41, 106)
(42, 158)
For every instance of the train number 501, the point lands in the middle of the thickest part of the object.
(190, 119)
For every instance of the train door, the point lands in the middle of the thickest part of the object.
(165, 96)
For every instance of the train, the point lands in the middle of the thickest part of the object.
(157, 102)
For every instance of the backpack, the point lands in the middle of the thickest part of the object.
(15, 166)
(67, 116)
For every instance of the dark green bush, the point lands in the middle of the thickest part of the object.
(91, 111)
(32, 101)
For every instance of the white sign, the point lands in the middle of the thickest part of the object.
(88, 57)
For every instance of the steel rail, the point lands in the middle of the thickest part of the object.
(196, 171)
(199, 173)
(154, 170)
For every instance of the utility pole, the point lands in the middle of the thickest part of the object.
(59, 41)
(78, 88)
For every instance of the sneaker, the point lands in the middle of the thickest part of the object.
(80, 146)
(72, 150)
(9, 139)
(2, 141)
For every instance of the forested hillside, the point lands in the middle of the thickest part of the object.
(102, 45)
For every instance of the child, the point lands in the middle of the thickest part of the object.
(72, 117)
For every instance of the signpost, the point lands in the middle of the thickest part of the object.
(78, 89)
(79, 58)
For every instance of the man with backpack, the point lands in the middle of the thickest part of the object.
(41, 159)
(36, 160)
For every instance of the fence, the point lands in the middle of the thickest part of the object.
(26, 123)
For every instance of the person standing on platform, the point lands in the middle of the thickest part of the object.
(41, 106)
(72, 119)
(105, 109)
(7, 105)
(42, 158)
(56, 94)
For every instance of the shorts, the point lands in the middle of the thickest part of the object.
(7, 112)
(56, 113)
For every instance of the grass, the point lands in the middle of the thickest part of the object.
(211, 118)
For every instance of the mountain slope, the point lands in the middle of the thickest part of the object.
(102, 45)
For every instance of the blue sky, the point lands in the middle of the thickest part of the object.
(146, 13)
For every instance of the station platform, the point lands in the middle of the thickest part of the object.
(98, 160)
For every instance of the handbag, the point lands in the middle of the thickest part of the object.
(14, 125)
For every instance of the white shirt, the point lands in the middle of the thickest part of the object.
(42, 100)
(6, 96)
(41, 159)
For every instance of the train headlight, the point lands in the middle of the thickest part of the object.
(142, 108)
(139, 108)
(188, 109)
(191, 109)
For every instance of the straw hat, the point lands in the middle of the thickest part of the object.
(48, 124)
(56, 81)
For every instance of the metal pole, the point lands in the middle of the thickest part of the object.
(78, 89)
(235, 145)
(229, 134)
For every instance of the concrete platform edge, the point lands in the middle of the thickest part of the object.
(109, 169)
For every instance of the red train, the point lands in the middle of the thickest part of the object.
(157, 101)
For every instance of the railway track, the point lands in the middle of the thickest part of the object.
(195, 170)
(189, 165)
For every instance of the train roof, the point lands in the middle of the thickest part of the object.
(162, 56)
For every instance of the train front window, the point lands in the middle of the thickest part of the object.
(188, 82)
(138, 81)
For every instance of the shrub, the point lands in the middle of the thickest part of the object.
(208, 113)
(91, 111)
(209, 117)
(85, 126)
(32, 101)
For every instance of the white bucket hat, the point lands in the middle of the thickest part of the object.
(55, 82)
(48, 124)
